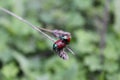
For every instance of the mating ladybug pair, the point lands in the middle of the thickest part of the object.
(60, 44)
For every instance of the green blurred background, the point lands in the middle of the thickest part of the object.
(27, 55)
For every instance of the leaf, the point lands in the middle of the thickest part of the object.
(6, 55)
(83, 4)
(93, 62)
(114, 76)
(117, 16)
(25, 45)
(10, 70)
(23, 62)
(111, 66)
(75, 19)
(111, 51)
(47, 17)
(86, 41)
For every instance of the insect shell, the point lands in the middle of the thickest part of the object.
(58, 48)
(65, 38)
(58, 45)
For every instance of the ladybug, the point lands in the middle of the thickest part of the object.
(58, 48)
(65, 38)
(61, 43)
(58, 45)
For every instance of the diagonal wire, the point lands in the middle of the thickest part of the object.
(25, 21)
(34, 27)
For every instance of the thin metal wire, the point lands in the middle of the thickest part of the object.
(34, 27)
(30, 24)
(47, 30)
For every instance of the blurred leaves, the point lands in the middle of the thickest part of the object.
(93, 62)
(83, 4)
(117, 16)
(27, 55)
(10, 71)
(75, 19)
(86, 41)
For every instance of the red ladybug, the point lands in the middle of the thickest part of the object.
(58, 45)
(61, 43)
(58, 48)
(65, 38)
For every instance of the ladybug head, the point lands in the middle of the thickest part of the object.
(65, 38)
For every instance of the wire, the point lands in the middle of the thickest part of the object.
(39, 29)
(30, 24)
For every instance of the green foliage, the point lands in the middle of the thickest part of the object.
(10, 71)
(27, 55)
